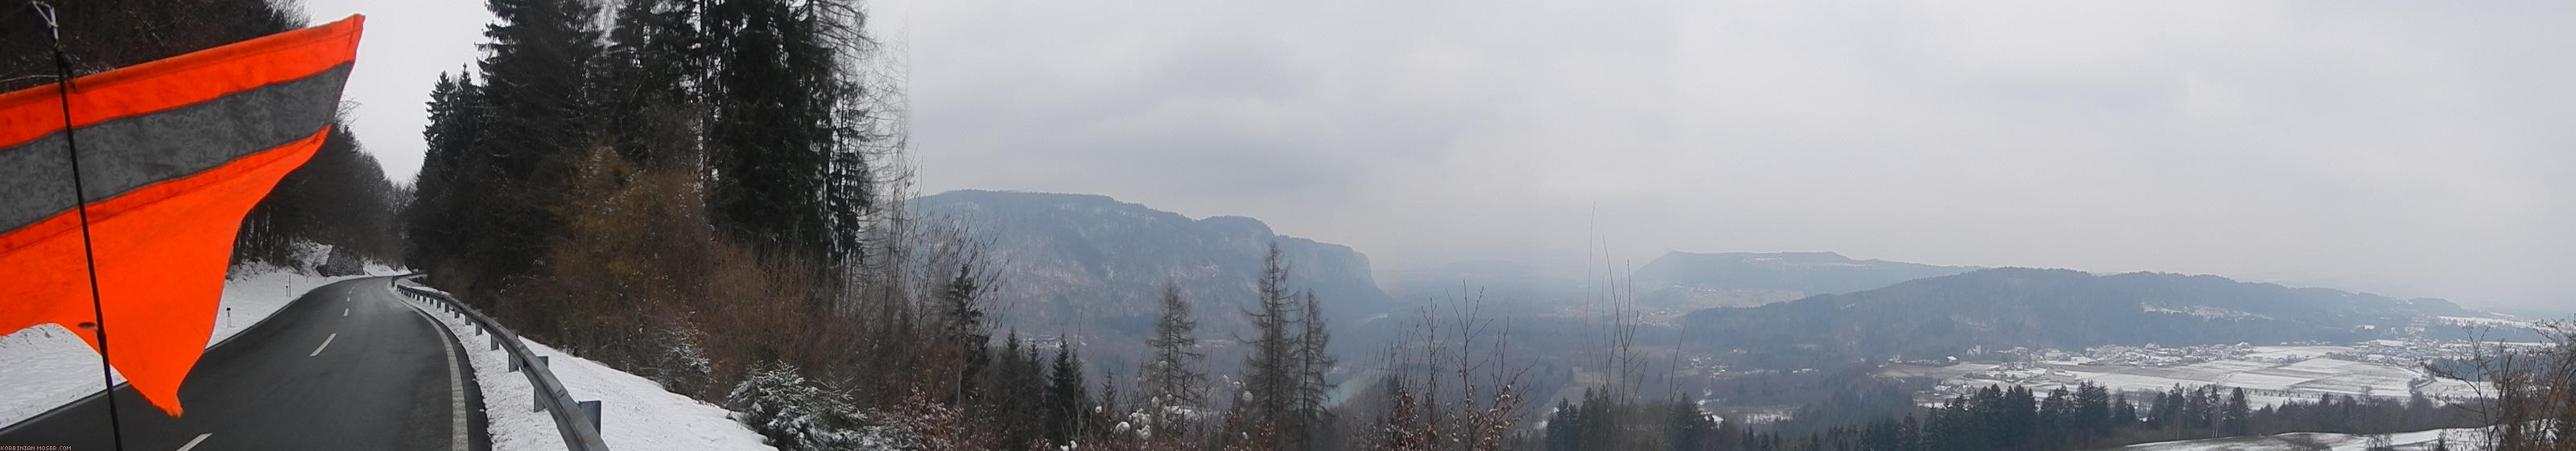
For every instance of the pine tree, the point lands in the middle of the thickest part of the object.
(964, 330)
(779, 91)
(1018, 387)
(1313, 364)
(1170, 380)
(1068, 399)
(1909, 434)
(2094, 414)
(2123, 413)
(653, 66)
(2238, 415)
(1689, 429)
(2198, 411)
(1272, 371)
(1561, 427)
(430, 222)
(2058, 423)
(539, 54)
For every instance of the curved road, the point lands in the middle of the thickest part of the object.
(347, 366)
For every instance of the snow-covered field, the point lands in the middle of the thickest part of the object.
(635, 413)
(2282, 374)
(2295, 352)
(1935, 372)
(2473, 321)
(47, 366)
(2454, 439)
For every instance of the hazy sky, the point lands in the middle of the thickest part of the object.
(2414, 148)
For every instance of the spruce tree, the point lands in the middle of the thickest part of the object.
(1313, 364)
(1170, 379)
(430, 223)
(2237, 417)
(653, 70)
(2123, 413)
(535, 72)
(2094, 414)
(963, 329)
(1272, 372)
(782, 135)
(1068, 397)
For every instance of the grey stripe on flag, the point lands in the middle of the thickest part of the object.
(122, 154)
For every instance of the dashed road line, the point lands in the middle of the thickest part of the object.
(201, 438)
(326, 342)
(344, 312)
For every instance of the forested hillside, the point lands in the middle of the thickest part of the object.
(1997, 309)
(1094, 264)
(680, 202)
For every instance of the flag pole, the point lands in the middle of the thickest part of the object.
(80, 204)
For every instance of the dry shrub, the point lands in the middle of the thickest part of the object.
(2529, 393)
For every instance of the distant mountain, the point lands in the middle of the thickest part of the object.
(1995, 309)
(1094, 266)
(1734, 279)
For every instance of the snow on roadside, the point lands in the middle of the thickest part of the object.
(636, 414)
(48, 366)
(2465, 439)
(509, 401)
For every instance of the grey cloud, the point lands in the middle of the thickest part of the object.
(2416, 148)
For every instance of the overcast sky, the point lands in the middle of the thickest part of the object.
(2412, 148)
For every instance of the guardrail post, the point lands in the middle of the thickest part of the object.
(496, 343)
(592, 408)
(514, 363)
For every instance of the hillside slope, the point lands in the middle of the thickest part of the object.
(1739, 279)
(1091, 265)
(2000, 308)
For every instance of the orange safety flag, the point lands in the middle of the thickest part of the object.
(172, 154)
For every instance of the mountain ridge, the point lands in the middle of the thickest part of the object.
(2007, 307)
(1089, 264)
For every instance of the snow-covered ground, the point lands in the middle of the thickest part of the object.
(635, 413)
(2454, 439)
(2473, 321)
(2280, 374)
(47, 366)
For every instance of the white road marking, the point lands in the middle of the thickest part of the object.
(193, 443)
(455, 386)
(326, 342)
(344, 312)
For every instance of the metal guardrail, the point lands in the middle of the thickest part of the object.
(578, 421)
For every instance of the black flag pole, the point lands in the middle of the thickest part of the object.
(80, 205)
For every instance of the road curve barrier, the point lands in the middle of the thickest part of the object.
(578, 421)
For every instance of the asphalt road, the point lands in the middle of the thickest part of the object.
(348, 366)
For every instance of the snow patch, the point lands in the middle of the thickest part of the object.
(2472, 321)
(2464, 439)
(636, 414)
(2200, 311)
